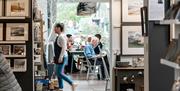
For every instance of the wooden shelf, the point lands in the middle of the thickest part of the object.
(167, 22)
(11, 17)
(129, 68)
(170, 64)
(14, 56)
(12, 42)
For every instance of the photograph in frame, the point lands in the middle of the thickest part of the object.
(132, 40)
(131, 10)
(20, 65)
(17, 8)
(19, 50)
(17, 31)
(1, 7)
(6, 49)
(1, 32)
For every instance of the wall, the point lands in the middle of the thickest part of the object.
(115, 34)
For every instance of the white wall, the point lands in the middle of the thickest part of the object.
(115, 35)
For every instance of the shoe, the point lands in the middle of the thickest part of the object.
(74, 85)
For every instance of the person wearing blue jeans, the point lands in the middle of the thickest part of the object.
(61, 56)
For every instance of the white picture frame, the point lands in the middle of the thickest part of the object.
(17, 8)
(20, 65)
(1, 32)
(19, 50)
(6, 49)
(132, 40)
(17, 31)
(131, 10)
(1, 7)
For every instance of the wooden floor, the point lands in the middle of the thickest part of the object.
(85, 85)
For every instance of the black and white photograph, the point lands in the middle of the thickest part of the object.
(20, 65)
(6, 49)
(17, 31)
(19, 50)
(132, 40)
(17, 7)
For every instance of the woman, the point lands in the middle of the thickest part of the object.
(61, 56)
(8, 81)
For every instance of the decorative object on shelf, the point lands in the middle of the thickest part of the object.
(20, 65)
(37, 31)
(17, 8)
(6, 49)
(1, 7)
(173, 12)
(17, 31)
(132, 40)
(131, 10)
(1, 32)
(19, 50)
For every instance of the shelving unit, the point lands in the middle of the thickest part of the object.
(167, 22)
(170, 64)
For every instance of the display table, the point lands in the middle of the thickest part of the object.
(129, 78)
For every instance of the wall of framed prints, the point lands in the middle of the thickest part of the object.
(16, 39)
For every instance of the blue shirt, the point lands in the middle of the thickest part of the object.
(89, 51)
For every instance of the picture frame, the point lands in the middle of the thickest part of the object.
(131, 10)
(6, 49)
(1, 32)
(19, 50)
(37, 31)
(17, 31)
(1, 7)
(17, 8)
(20, 65)
(132, 40)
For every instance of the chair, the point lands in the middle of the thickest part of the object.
(92, 68)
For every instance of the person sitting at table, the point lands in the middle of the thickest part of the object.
(70, 57)
(89, 53)
(97, 49)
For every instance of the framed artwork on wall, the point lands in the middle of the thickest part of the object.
(1, 7)
(1, 32)
(131, 10)
(6, 49)
(17, 8)
(20, 65)
(19, 50)
(17, 31)
(132, 40)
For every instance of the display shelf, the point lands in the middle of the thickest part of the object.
(12, 17)
(13, 56)
(12, 42)
(166, 22)
(170, 64)
(19, 70)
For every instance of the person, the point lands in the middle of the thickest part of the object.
(8, 81)
(90, 53)
(70, 57)
(61, 56)
(97, 49)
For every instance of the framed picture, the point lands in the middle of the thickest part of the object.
(20, 65)
(1, 7)
(17, 31)
(19, 50)
(6, 49)
(131, 10)
(132, 40)
(1, 32)
(17, 8)
(37, 31)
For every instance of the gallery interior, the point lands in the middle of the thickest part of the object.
(89, 45)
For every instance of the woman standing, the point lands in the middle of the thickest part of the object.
(61, 56)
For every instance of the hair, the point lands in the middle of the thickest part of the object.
(98, 36)
(68, 35)
(60, 25)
